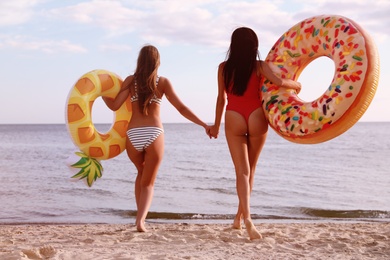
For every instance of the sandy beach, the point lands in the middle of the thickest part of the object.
(195, 241)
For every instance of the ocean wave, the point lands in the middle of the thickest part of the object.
(346, 214)
(307, 214)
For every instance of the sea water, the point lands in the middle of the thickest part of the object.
(346, 178)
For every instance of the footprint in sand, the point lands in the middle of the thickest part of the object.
(43, 252)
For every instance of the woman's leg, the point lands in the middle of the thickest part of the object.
(255, 145)
(236, 135)
(256, 137)
(145, 181)
(138, 159)
(257, 134)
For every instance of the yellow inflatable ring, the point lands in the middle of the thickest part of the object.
(345, 99)
(79, 121)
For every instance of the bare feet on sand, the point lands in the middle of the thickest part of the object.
(237, 222)
(252, 231)
(141, 226)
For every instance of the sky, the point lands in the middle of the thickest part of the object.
(47, 45)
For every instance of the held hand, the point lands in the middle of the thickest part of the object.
(207, 128)
(298, 87)
(214, 131)
(291, 84)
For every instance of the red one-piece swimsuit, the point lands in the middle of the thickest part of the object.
(248, 102)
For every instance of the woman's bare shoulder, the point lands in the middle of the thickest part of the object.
(128, 80)
(260, 66)
(163, 81)
(163, 84)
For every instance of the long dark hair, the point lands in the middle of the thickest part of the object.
(146, 75)
(241, 60)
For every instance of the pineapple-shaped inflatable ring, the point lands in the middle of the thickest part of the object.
(95, 145)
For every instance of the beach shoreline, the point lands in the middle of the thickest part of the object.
(310, 240)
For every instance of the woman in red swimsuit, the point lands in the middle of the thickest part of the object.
(239, 80)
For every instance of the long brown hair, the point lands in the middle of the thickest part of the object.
(146, 76)
(241, 60)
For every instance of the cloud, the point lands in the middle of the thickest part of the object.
(109, 15)
(23, 43)
(206, 23)
(210, 22)
(16, 12)
(115, 47)
(371, 15)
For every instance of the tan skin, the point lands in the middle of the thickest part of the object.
(148, 161)
(245, 142)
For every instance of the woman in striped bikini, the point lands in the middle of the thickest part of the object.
(145, 143)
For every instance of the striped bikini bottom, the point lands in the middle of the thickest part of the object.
(142, 137)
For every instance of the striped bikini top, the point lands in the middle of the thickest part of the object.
(154, 99)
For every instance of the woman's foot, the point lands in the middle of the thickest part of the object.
(141, 226)
(252, 231)
(237, 222)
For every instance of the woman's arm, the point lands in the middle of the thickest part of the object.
(179, 105)
(220, 104)
(115, 103)
(285, 83)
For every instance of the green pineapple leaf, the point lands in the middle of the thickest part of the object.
(82, 163)
(90, 168)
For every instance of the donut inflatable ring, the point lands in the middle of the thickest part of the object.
(345, 99)
(79, 104)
